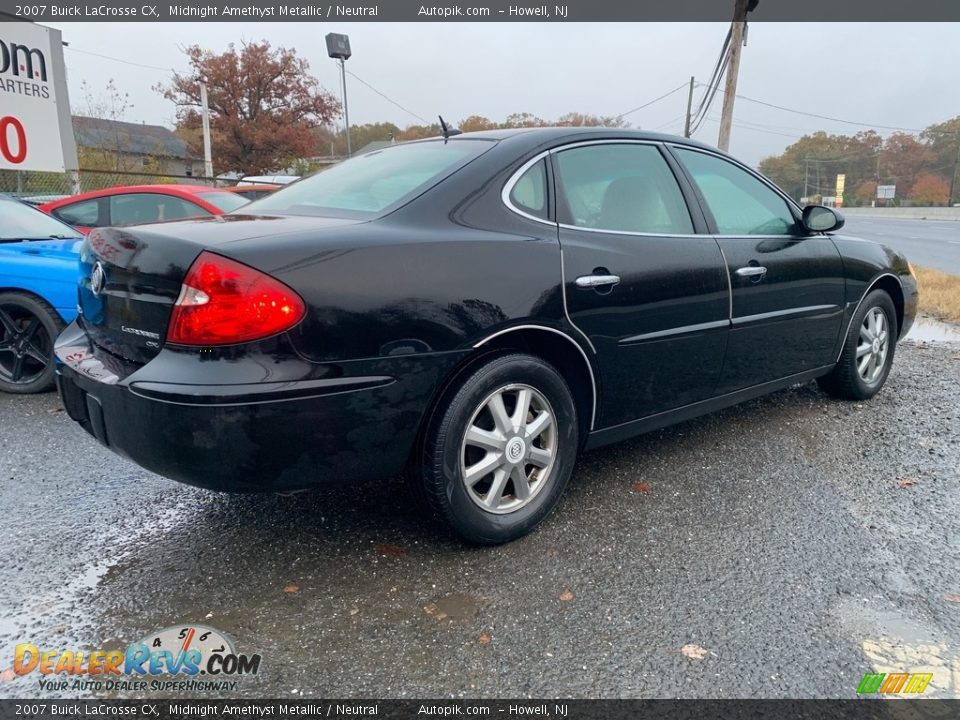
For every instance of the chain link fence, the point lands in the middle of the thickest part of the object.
(44, 187)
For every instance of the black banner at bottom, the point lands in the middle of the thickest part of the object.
(302, 709)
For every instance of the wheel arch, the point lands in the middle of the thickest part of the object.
(891, 285)
(547, 343)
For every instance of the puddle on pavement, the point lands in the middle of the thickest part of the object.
(458, 606)
(927, 329)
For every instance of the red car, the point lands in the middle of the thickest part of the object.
(138, 204)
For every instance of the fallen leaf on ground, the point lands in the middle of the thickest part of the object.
(291, 588)
(566, 596)
(484, 639)
(354, 611)
(640, 488)
(906, 482)
(389, 550)
(952, 598)
(694, 652)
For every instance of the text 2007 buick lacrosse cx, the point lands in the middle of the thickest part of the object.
(474, 309)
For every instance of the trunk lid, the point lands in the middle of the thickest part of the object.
(131, 277)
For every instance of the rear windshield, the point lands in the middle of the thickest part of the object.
(225, 201)
(22, 222)
(373, 183)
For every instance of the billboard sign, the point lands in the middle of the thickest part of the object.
(886, 192)
(35, 128)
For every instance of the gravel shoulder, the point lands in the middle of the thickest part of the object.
(799, 541)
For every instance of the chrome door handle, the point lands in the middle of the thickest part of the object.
(752, 271)
(595, 281)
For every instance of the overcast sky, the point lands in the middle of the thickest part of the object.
(901, 75)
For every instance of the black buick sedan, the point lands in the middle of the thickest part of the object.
(475, 310)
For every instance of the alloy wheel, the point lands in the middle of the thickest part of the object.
(873, 346)
(509, 449)
(24, 346)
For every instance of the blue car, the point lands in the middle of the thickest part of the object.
(38, 293)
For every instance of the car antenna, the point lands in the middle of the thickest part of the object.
(448, 132)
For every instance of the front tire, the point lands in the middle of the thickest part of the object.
(499, 451)
(867, 354)
(28, 327)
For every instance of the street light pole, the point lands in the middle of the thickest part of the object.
(346, 112)
(207, 152)
(338, 47)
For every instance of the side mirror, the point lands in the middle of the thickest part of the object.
(817, 218)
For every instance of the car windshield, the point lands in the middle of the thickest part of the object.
(225, 201)
(374, 183)
(22, 222)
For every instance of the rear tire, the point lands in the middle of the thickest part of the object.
(28, 328)
(499, 451)
(868, 350)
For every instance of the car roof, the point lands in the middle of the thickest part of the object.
(536, 136)
(169, 189)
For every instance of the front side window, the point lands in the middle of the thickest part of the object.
(371, 184)
(621, 187)
(740, 203)
(529, 193)
(140, 208)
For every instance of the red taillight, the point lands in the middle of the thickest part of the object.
(223, 302)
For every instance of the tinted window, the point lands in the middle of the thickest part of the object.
(139, 208)
(84, 214)
(22, 222)
(226, 201)
(628, 188)
(372, 183)
(741, 204)
(529, 193)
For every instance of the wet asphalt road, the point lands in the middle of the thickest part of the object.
(934, 243)
(774, 536)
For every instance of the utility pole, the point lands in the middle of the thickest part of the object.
(953, 178)
(207, 152)
(741, 8)
(686, 125)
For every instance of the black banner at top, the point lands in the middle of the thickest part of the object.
(477, 11)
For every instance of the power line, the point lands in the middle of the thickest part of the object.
(119, 60)
(706, 101)
(394, 102)
(826, 117)
(655, 100)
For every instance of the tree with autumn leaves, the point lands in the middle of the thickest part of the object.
(920, 166)
(264, 106)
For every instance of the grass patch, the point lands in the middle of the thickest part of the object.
(939, 293)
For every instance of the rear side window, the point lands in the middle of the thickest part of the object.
(529, 193)
(740, 203)
(373, 183)
(623, 188)
(139, 208)
(83, 214)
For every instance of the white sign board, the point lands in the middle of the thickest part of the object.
(886, 192)
(35, 128)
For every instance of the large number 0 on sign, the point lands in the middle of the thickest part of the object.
(13, 151)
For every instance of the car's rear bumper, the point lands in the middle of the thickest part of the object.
(266, 436)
